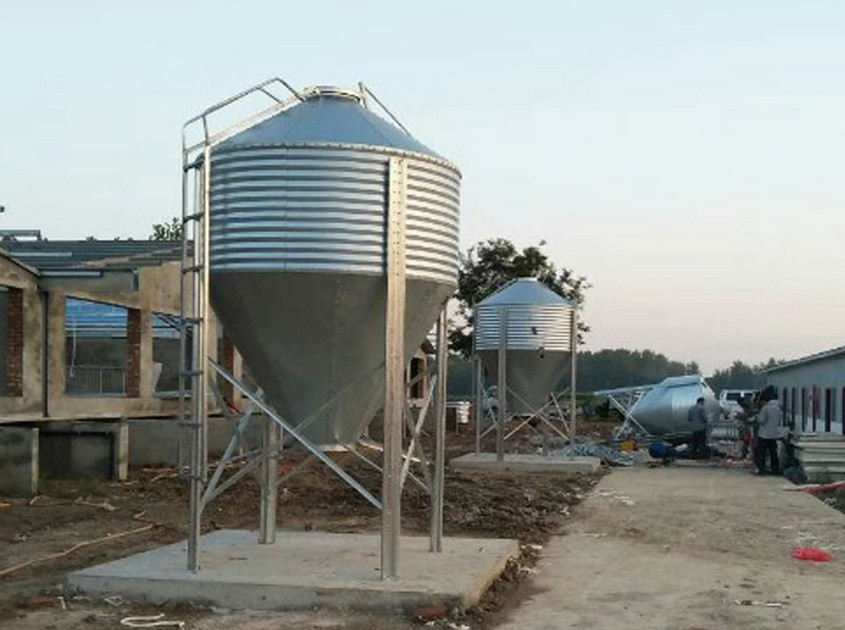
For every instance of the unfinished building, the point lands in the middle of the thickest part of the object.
(89, 348)
(89, 359)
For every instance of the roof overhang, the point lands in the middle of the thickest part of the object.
(811, 358)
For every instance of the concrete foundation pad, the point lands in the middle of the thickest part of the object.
(527, 463)
(304, 570)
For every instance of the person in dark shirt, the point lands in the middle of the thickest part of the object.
(697, 418)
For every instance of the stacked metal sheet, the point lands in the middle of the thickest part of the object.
(822, 457)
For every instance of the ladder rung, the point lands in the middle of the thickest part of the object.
(192, 268)
(193, 373)
(196, 216)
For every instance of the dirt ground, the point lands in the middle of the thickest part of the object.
(834, 498)
(691, 547)
(150, 509)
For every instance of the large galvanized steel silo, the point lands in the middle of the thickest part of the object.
(298, 253)
(537, 341)
(663, 409)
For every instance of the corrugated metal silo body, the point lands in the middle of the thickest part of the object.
(298, 252)
(538, 341)
(663, 409)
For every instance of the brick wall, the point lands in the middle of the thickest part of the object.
(14, 343)
(133, 354)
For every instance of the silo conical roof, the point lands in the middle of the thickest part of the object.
(525, 291)
(328, 116)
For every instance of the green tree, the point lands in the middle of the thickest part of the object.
(606, 369)
(489, 264)
(167, 231)
(741, 375)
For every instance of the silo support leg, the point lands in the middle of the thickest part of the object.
(415, 446)
(542, 413)
(312, 448)
(439, 479)
(502, 387)
(394, 386)
(479, 403)
(269, 482)
(573, 380)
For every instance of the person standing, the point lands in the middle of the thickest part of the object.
(745, 417)
(769, 429)
(697, 418)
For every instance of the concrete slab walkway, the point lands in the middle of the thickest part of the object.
(676, 548)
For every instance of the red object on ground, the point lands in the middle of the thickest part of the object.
(824, 487)
(812, 554)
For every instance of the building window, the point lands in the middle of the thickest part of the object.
(792, 407)
(11, 342)
(803, 409)
(96, 348)
(784, 404)
(815, 402)
(842, 410)
(166, 345)
(828, 409)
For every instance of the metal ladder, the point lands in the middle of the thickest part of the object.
(194, 374)
(193, 324)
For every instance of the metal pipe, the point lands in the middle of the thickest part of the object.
(573, 378)
(226, 102)
(363, 91)
(438, 482)
(205, 305)
(386, 111)
(269, 482)
(415, 428)
(296, 434)
(394, 387)
(229, 452)
(502, 388)
(479, 401)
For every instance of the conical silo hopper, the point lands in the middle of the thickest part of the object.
(537, 341)
(663, 409)
(299, 208)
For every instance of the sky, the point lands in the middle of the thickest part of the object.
(685, 156)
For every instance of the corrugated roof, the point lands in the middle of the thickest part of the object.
(47, 255)
(5, 254)
(810, 358)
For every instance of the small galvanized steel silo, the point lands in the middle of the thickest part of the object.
(537, 341)
(298, 253)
